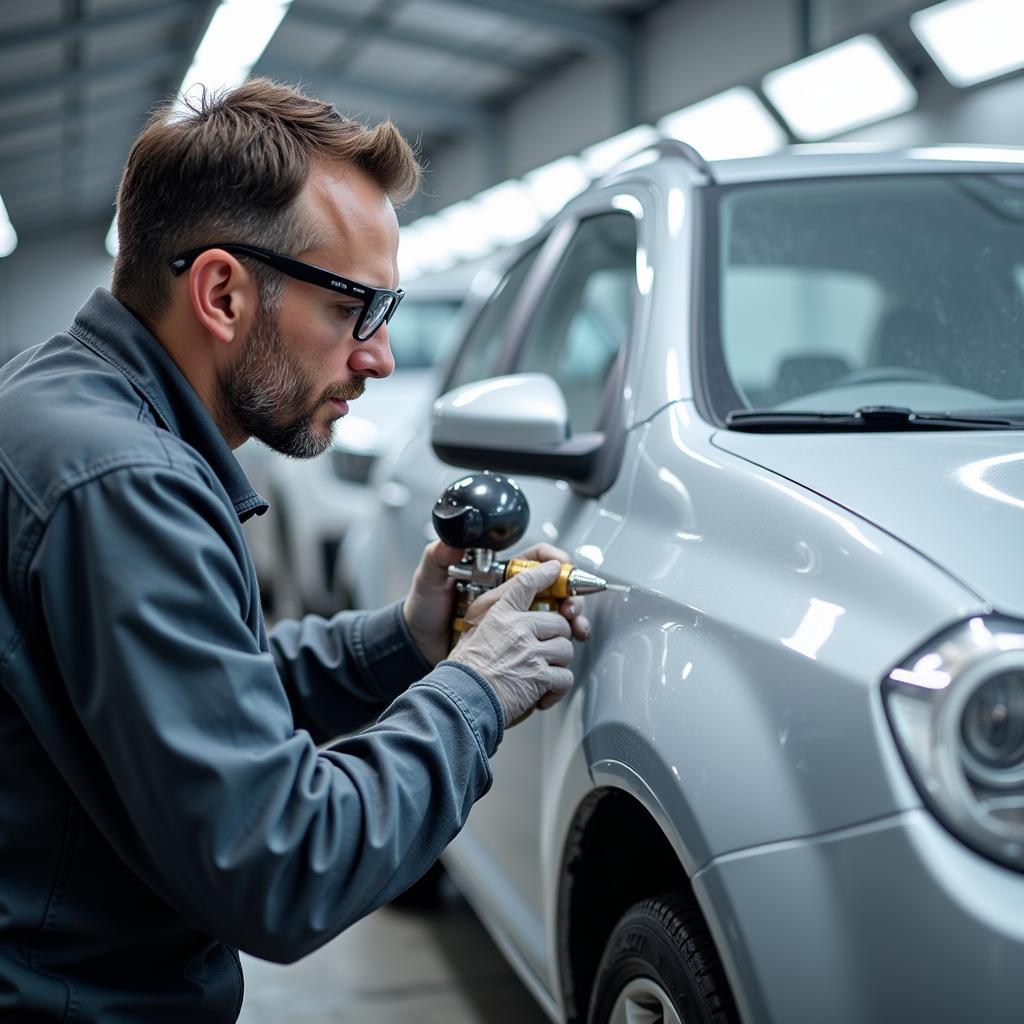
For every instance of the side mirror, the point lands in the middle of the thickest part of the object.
(514, 424)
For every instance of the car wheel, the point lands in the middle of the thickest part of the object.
(660, 966)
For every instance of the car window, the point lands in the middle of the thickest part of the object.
(481, 350)
(421, 332)
(832, 294)
(583, 316)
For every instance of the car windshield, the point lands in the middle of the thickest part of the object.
(832, 295)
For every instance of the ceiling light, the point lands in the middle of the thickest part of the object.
(8, 236)
(509, 212)
(423, 247)
(603, 156)
(463, 232)
(554, 184)
(972, 40)
(235, 39)
(733, 123)
(238, 33)
(843, 87)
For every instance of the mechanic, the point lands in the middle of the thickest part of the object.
(163, 802)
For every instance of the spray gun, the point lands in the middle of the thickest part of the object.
(485, 513)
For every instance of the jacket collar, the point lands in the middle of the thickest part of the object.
(115, 334)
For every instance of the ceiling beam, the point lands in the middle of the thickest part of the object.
(40, 168)
(609, 36)
(453, 112)
(102, 109)
(152, 65)
(590, 30)
(65, 31)
(485, 55)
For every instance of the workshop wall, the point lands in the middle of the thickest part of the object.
(836, 20)
(44, 283)
(988, 114)
(576, 107)
(688, 50)
(692, 50)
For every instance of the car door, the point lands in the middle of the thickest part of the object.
(575, 316)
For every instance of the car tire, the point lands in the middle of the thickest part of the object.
(660, 958)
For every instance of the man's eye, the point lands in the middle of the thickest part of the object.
(348, 312)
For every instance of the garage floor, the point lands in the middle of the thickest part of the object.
(394, 967)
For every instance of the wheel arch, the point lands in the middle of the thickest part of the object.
(619, 849)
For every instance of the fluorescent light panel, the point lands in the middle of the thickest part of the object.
(423, 247)
(508, 212)
(238, 33)
(730, 124)
(464, 234)
(603, 156)
(972, 40)
(235, 39)
(8, 236)
(841, 88)
(554, 184)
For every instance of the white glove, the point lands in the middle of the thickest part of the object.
(522, 654)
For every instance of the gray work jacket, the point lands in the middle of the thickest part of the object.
(163, 802)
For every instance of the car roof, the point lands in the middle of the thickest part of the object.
(666, 156)
(819, 161)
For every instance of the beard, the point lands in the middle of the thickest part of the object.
(267, 395)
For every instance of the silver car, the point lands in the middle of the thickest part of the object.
(782, 400)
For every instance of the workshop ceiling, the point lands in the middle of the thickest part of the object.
(78, 77)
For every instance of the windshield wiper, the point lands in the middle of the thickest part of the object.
(866, 418)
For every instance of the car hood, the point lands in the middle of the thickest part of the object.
(955, 497)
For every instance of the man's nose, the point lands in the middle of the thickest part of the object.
(373, 358)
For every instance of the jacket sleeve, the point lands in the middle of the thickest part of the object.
(341, 672)
(209, 793)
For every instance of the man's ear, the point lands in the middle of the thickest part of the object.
(224, 295)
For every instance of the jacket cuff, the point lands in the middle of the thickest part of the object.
(387, 651)
(475, 698)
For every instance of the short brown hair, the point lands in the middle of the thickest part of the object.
(230, 169)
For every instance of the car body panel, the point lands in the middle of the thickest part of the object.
(868, 922)
(927, 481)
(733, 634)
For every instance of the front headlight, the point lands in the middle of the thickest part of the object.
(957, 709)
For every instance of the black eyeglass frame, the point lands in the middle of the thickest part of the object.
(308, 273)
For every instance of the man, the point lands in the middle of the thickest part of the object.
(162, 798)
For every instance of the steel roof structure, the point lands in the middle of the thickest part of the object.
(79, 77)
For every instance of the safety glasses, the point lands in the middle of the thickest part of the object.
(379, 304)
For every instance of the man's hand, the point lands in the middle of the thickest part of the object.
(572, 607)
(523, 655)
(430, 605)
